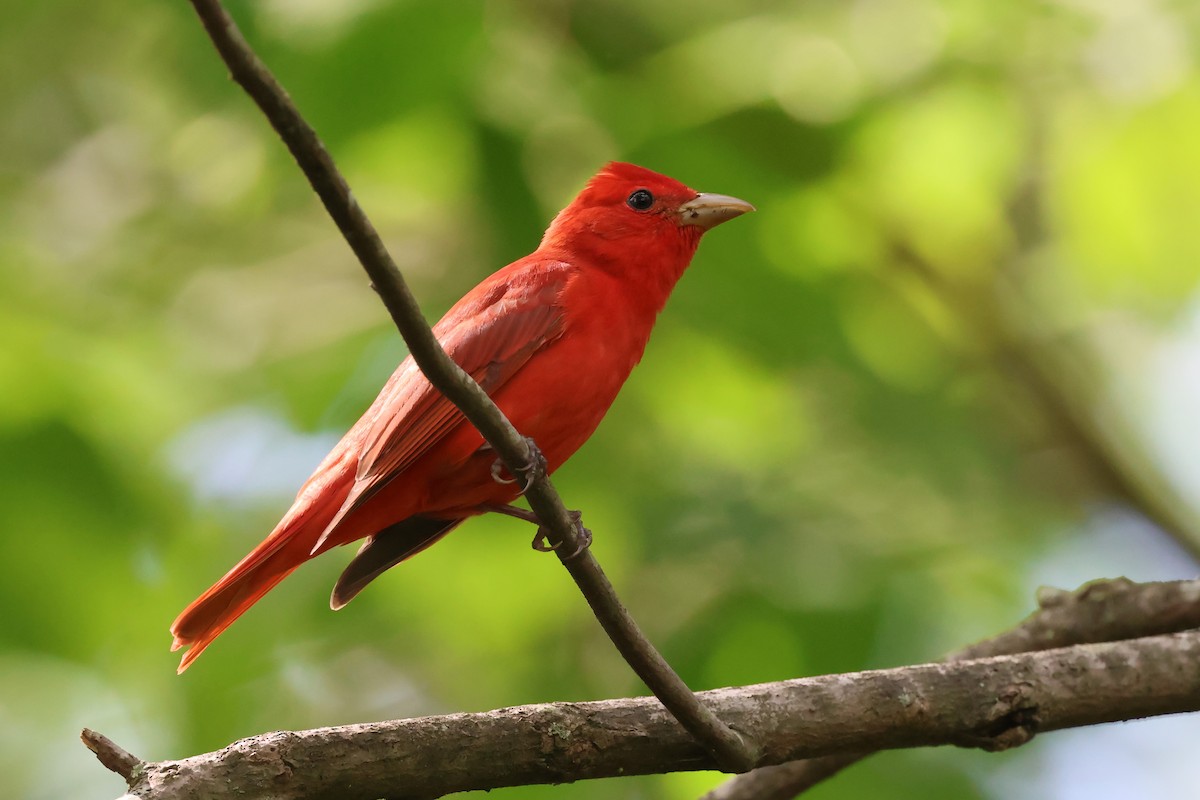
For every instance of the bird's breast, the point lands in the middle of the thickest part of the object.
(562, 393)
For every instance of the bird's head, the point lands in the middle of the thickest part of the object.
(629, 212)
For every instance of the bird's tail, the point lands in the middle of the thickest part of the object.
(288, 546)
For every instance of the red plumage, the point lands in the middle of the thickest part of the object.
(551, 338)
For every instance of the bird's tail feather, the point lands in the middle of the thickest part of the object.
(216, 609)
(288, 546)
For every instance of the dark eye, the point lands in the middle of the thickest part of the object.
(640, 200)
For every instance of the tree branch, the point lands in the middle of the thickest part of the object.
(728, 748)
(1100, 611)
(993, 704)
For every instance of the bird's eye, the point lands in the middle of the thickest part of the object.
(640, 200)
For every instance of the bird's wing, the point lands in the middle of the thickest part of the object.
(490, 333)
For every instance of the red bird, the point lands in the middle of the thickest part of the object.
(551, 338)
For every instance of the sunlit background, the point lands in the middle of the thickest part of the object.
(955, 355)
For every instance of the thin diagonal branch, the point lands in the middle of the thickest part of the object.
(1100, 611)
(727, 747)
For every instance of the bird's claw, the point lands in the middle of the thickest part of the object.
(497, 468)
(532, 471)
(585, 538)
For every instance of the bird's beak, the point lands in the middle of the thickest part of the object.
(710, 210)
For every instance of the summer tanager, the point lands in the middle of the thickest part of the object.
(551, 338)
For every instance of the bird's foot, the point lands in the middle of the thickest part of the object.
(530, 472)
(540, 542)
(584, 535)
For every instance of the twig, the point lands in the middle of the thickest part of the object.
(992, 704)
(1100, 611)
(728, 748)
(110, 754)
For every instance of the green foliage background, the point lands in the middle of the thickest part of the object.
(876, 414)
